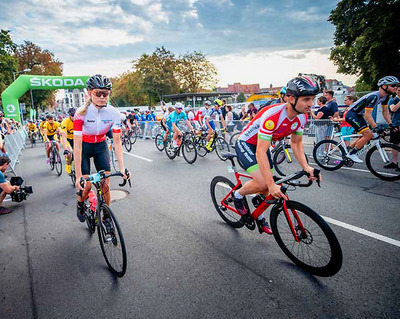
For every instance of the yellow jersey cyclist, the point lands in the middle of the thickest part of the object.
(51, 128)
(41, 127)
(32, 126)
(67, 138)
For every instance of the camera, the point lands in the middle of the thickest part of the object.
(23, 192)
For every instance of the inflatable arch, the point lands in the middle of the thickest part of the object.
(24, 83)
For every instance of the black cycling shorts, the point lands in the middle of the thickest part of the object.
(246, 154)
(51, 137)
(163, 126)
(109, 134)
(357, 121)
(71, 142)
(100, 154)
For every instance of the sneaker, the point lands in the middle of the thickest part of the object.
(238, 202)
(263, 226)
(5, 210)
(68, 169)
(391, 165)
(80, 211)
(48, 161)
(354, 158)
(397, 169)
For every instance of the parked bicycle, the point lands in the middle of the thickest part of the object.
(186, 146)
(300, 232)
(55, 158)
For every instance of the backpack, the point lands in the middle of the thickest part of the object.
(236, 117)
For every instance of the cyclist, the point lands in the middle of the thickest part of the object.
(164, 124)
(41, 127)
(270, 124)
(209, 124)
(67, 140)
(32, 128)
(387, 86)
(202, 112)
(50, 129)
(91, 124)
(172, 121)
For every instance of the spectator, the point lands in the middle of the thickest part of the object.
(345, 128)
(5, 186)
(223, 108)
(229, 120)
(251, 112)
(331, 104)
(4, 127)
(323, 131)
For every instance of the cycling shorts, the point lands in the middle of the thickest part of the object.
(71, 142)
(51, 137)
(357, 121)
(100, 154)
(164, 127)
(246, 154)
(109, 134)
(212, 124)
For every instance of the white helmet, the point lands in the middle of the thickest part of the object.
(388, 80)
(178, 105)
(208, 103)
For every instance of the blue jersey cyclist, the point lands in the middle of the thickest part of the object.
(209, 117)
(173, 119)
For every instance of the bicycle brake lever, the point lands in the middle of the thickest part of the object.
(316, 174)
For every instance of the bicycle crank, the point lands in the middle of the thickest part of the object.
(248, 221)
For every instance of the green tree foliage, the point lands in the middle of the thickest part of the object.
(195, 73)
(366, 39)
(241, 98)
(126, 90)
(8, 61)
(41, 62)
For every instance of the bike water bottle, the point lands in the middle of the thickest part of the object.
(92, 200)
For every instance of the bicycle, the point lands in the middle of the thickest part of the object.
(159, 140)
(32, 138)
(113, 157)
(302, 234)
(332, 155)
(186, 146)
(72, 175)
(218, 144)
(99, 215)
(55, 158)
(126, 141)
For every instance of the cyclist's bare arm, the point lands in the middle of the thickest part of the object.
(386, 114)
(296, 142)
(118, 152)
(64, 143)
(78, 159)
(368, 117)
(189, 124)
(223, 122)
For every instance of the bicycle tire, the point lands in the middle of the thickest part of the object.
(219, 193)
(133, 137)
(201, 143)
(326, 263)
(373, 160)
(233, 139)
(58, 163)
(331, 160)
(221, 146)
(52, 160)
(189, 151)
(127, 143)
(170, 150)
(117, 243)
(90, 220)
(281, 163)
(159, 141)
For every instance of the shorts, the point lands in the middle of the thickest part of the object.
(395, 135)
(357, 121)
(51, 137)
(212, 124)
(100, 154)
(246, 154)
(346, 130)
(109, 134)
(165, 128)
(71, 142)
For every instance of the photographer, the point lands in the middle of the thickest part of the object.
(5, 186)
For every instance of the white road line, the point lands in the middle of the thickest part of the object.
(140, 157)
(359, 170)
(363, 231)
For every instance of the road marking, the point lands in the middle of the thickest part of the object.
(363, 231)
(139, 157)
(359, 170)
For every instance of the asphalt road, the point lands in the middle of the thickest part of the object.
(183, 260)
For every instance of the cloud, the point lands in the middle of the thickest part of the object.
(106, 37)
(295, 56)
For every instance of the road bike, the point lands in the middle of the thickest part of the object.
(99, 215)
(55, 158)
(126, 141)
(186, 146)
(218, 144)
(300, 232)
(32, 138)
(159, 140)
(332, 155)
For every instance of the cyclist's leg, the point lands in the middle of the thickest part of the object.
(101, 158)
(358, 122)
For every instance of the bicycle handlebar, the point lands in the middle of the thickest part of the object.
(102, 175)
(290, 180)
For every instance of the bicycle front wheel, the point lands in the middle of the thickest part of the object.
(233, 139)
(112, 241)
(318, 250)
(219, 188)
(189, 151)
(380, 156)
(58, 163)
(127, 143)
(329, 155)
(221, 146)
(201, 146)
(285, 163)
(170, 149)
(159, 140)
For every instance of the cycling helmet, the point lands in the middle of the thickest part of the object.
(98, 81)
(179, 105)
(217, 102)
(301, 86)
(188, 108)
(388, 80)
(283, 90)
(208, 103)
(49, 116)
(71, 111)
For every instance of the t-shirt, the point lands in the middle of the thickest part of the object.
(327, 112)
(395, 115)
(67, 125)
(51, 128)
(332, 107)
(2, 178)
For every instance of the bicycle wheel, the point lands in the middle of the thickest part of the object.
(329, 155)
(58, 163)
(378, 157)
(318, 250)
(112, 244)
(127, 143)
(285, 163)
(233, 139)
(189, 151)
(52, 159)
(220, 187)
(133, 136)
(159, 140)
(201, 143)
(170, 150)
(221, 146)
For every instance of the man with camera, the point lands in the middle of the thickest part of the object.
(5, 186)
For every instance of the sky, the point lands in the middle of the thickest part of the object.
(266, 42)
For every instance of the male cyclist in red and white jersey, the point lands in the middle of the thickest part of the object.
(270, 124)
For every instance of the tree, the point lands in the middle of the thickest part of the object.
(127, 91)
(195, 72)
(366, 39)
(8, 61)
(241, 98)
(41, 62)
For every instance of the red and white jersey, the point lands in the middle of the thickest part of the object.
(200, 114)
(272, 124)
(94, 125)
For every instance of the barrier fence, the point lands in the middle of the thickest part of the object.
(14, 144)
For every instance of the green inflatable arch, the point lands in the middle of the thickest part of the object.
(24, 83)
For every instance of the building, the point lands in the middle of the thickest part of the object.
(74, 98)
(238, 88)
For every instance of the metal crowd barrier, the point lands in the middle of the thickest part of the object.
(14, 144)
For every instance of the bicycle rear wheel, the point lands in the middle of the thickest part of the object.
(285, 163)
(220, 187)
(189, 151)
(58, 163)
(114, 161)
(377, 158)
(159, 140)
(329, 155)
(201, 143)
(221, 146)
(112, 244)
(318, 250)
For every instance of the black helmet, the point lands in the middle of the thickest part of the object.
(302, 86)
(71, 111)
(49, 116)
(98, 81)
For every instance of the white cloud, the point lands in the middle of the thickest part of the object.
(109, 67)
(106, 37)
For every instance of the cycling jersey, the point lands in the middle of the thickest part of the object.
(368, 101)
(212, 113)
(67, 125)
(32, 127)
(174, 117)
(42, 124)
(272, 124)
(94, 125)
(51, 128)
(200, 114)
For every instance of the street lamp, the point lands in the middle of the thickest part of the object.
(20, 72)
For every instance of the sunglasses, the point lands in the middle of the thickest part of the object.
(101, 93)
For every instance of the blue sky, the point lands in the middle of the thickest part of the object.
(265, 42)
